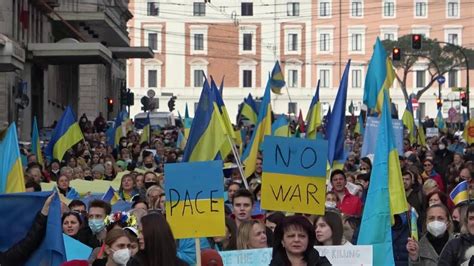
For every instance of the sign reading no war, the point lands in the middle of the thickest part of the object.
(194, 199)
(294, 173)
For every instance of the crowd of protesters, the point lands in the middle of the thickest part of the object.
(142, 235)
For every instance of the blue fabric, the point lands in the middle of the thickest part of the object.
(187, 249)
(18, 214)
(72, 194)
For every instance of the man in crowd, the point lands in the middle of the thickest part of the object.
(94, 234)
(349, 204)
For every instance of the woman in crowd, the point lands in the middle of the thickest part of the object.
(110, 172)
(329, 229)
(294, 241)
(331, 199)
(438, 233)
(229, 240)
(157, 244)
(140, 181)
(153, 195)
(127, 187)
(430, 173)
(116, 251)
(65, 189)
(273, 220)
(71, 222)
(54, 168)
(252, 234)
(150, 179)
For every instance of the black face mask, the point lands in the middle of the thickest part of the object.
(149, 184)
(87, 157)
(456, 227)
(88, 177)
(148, 165)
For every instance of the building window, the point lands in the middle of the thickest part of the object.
(199, 9)
(388, 8)
(153, 9)
(324, 77)
(324, 8)
(453, 8)
(420, 78)
(421, 8)
(247, 78)
(356, 42)
(453, 38)
(152, 78)
(324, 41)
(198, 78)
(356, 8)
(247, 42)
(453, 78)
(293, 9)
(356, 78)
(389, 36)
(293, 42)
(153, 41)
(247, 9)
(292, 78)
(199, 42)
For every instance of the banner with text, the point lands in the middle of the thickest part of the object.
(194, 199)
(370, 135)
(294, 175)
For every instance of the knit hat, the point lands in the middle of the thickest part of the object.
(211, 257)
(99, 168)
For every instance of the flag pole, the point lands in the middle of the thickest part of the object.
(198, 251)
(238, 161)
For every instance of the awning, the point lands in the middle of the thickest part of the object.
(70, 53)
(132, 52)
(12, 55)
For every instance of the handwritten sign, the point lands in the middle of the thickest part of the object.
(194, 199)
(294, 173)
(346, 255)
(371, 131)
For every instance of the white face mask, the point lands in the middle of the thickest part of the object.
(436, 228)
(441, 146)
(330, 204)
(121, 256)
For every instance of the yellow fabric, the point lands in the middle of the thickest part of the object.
(16, 180)
(72, 136)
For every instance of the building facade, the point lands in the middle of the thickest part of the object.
(55, 53)
(239, 41)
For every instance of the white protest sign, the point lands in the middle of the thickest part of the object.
(346, 255)
(431, 132)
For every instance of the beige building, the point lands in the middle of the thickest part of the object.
(55, 53)
(241, 39)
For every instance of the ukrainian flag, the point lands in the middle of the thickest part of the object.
(119, 129)
(187, 122)
(249, 109)
(386, 195)
(280, 127)
(380, 74)
(439, 120)
(35, 143)
(111, 196)
(229, 128)
(181, 142)
(277, 80)
(262, 129)
(421, 139)
(313, 118)
(11, 170)
(409, 121)
(337, 125)
(460, 193)
(359, 128)
(66, 134)
(207, 130)
(145, 136)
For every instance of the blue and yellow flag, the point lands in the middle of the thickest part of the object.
(262, 128)
(145, 136)
(207, 130)
(313, 118)
(181, 142)
(359, 128)
(421, 139)
(35, 143)
(386, 195)
(11, 170)
(380, 74)
(460, 193)
(409, 121)
(66, 134)
(440, 120)
(120, 129)
(337, 124)
(249, 109)
(187, 122)
(228, 127)
(280, 127)
(277, 80)
(414, 224)
(111, 196)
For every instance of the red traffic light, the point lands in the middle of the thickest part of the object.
(416, 41)
(111, 101)
(416, 37)
(396, 55)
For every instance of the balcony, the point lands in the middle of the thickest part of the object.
(103, 21)
(12, 55)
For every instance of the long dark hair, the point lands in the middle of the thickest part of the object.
(299, 222)
(160, 246)
(334, 221)
(232, 228)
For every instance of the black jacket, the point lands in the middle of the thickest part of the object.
(20, 252)
(454, 253)
(313, 259)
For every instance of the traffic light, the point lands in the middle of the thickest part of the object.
(439, 103)
(171, 103)
(123, 97)
(110, 105)
(416, 41)
(463, 97)
(396, 54)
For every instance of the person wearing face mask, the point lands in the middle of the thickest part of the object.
(443, 158)
(116, 250)
(54, 169)
(148, 163)
(427, 251)
(331, 200)
(94, 234)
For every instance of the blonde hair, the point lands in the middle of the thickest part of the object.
(429, 185)
(244, 233)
